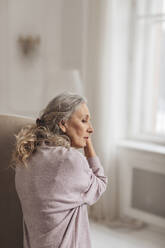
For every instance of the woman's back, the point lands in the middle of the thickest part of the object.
(52, 191)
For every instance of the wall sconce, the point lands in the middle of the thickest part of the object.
(28, 43)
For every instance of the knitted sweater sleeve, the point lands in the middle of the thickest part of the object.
(84, 177)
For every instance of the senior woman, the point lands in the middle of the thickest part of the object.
(55, 182)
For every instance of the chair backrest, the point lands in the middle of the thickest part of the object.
(11, 231)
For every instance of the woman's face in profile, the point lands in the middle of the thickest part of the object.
(78, 127)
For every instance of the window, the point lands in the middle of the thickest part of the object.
(148, 70)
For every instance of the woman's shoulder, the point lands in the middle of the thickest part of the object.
(74, 161)
(74, 154)
(62, 153)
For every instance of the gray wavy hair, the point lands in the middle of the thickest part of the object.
(47, 127)
(60, 109)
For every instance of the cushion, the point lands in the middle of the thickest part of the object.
(11, 232)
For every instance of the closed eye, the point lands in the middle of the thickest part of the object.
(84, 121)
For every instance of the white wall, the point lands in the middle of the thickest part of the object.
(28, 82)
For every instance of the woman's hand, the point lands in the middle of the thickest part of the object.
(89, 149)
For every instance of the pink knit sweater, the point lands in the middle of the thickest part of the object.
(54, 192)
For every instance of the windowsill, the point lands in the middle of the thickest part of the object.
(141, 146)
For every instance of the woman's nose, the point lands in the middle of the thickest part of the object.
(90, 129)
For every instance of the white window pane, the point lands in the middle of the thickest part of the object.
(160, 111)
(148, 69)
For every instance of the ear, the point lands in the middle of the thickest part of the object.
(62, 126)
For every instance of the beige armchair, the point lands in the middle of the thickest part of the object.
(11, 232)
